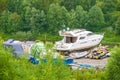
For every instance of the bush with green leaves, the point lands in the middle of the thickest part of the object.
(6, 71)
(19, 68)
(89, 74)
(113, 67)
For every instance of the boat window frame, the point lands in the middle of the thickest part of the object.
(89, 34)
(81, 38)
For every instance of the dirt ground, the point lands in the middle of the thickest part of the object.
(92, 62)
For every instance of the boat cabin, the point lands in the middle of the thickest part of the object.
(75, 35)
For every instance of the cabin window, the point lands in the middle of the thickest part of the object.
(71, 39)
(94, 40)
(82, 37)
(89, 34)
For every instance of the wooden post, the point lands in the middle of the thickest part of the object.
(45, 39)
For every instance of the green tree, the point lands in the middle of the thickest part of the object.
(9, 22)
(26, 15)
(110, 6)
(57, 17)
(96, 19)
(86, 4)
(35, 21)
(3, 5)
(72, 19)
(15, 6)
(45, 4)
(71, 4)
(117, 26)
(4, 21)
(43, 25)
(13, 23)
(78, 18)
(100, 3)
(81, 17)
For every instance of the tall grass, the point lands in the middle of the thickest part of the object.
(113, 67)
(89, 74)
(21, 69)
(18, 35)
(48, 69)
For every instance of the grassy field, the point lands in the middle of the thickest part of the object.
(19, 68)
(109, 39)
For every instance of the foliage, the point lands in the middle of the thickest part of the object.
(15, 6)
(110, 37)
(72, 19)
(81, 17)
(19, 36)
(42, 19)
(72, 4)
(96, 21)
(117, 26)
(17, 68)
(9, 22)
(50, 16)
(4, 21)
(20, 68)
(26, 18)
(57, 17)
(48, 37)
(89, 74)
(3, 5)
(42, 22)
(113, 67)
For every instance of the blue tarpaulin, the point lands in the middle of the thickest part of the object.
(17, 46)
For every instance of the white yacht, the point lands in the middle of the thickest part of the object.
(77, 39)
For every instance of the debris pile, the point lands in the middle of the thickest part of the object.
(99, 52)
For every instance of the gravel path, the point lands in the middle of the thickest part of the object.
(92, 62)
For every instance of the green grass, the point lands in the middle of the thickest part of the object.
(113, 67)
(109, 37)
(111, 41)
(19, 68)
(89, 74)
(18, 36)
(29, 36)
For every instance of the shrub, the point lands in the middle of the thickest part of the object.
(113, 67)
(89, 74)
(19, 36)
(21, 69)
(48, 69)
(6, 72)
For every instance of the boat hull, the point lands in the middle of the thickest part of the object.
(79, 48)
